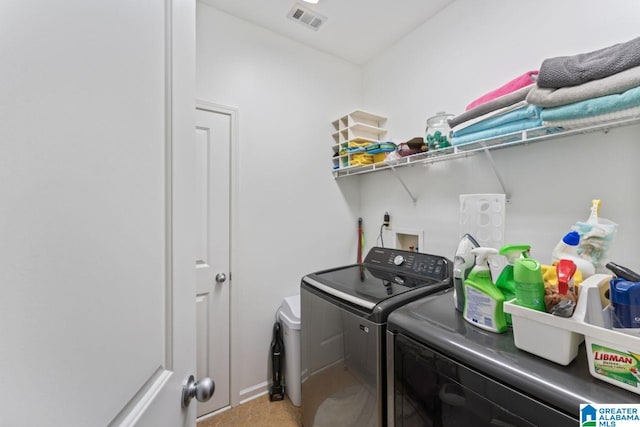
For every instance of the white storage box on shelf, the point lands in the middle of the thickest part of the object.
(360, 127)
(613, 356)
(289, 316)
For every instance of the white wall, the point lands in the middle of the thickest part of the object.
(467, 50)
(292, 216)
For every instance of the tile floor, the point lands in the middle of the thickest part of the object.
(259, 412)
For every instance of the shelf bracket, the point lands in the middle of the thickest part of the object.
(399, 178)
(496, 172)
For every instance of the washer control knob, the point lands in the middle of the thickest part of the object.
(398, 260)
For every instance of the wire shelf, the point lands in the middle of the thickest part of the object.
(517, 138)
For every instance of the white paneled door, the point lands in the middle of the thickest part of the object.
(212, 169)
(96, 224)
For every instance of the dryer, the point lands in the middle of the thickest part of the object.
(443, 371)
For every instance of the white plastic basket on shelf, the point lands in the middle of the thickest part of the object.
(613, 356)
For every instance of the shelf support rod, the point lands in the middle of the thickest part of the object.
(496, 172)
(399, 178)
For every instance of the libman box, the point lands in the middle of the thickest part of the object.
(614, 357)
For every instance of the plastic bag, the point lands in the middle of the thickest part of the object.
(596, 235)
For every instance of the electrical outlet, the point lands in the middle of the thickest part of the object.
(387, 220)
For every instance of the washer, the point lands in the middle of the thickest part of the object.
(344, 315)
(443, 371)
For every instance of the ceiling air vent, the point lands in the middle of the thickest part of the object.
(306, 17)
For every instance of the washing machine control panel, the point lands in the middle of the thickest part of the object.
(414, 263)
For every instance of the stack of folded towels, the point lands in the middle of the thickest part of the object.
(357, 151)
(567, 92)
(589, 88)
(499, 112)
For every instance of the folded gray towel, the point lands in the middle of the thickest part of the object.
(577, 69)
(495, 104)
(610, 85)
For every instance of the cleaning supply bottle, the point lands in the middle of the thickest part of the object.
(527, 274)
(505, 282)
(483, 305)
(625, 302)
(564, 302)
(623, 272)
(463, 262)
(567, 248)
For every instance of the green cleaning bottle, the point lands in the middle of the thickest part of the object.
(483, 304)
(527, 274)
(505, 281)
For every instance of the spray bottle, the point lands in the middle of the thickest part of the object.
(506, 282)
(462, 265)
(483, 301)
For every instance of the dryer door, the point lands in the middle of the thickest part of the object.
(432, 390)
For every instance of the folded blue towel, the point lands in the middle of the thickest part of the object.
(593, 106)
(526, 112)
(504, 129)
(356, 149)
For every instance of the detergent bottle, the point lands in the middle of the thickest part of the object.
(529, 284)
(506, 282)
(462, 265)
(567, 248)
(483, 305)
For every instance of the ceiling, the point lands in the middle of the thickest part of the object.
(355, 30)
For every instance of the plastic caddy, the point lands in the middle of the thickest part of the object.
(614, 357)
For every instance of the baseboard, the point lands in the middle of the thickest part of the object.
(246, 395)
(212, 414)
(253, 392)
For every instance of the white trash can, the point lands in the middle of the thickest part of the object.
(289, 316)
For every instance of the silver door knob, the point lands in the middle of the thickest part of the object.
(201, 390)
(221, 277)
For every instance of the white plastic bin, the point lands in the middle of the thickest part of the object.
(289, 315)
(558, 338)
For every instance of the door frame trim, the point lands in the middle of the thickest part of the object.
(234, 321)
